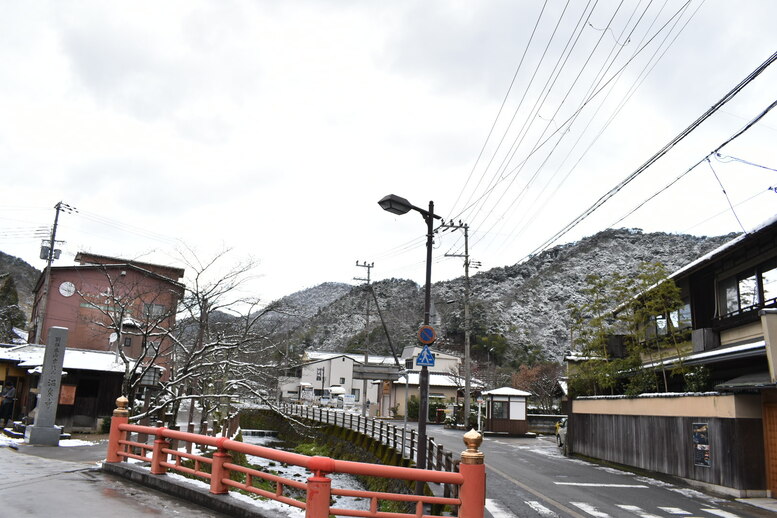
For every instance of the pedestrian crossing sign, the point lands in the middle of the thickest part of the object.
(426, 358)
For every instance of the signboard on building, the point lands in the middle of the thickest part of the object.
(376, 372)
(67, 395)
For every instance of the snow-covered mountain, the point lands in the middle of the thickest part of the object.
(518, 312)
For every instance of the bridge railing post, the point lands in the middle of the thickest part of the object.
(319, 487)
(473, 469)
(157, 455)
(120, 416)
(218, 472)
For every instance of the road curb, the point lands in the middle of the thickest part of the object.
(225, 504)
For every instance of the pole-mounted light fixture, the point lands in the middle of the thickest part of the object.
(398, 205)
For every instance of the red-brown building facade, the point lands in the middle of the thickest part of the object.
(108, 302)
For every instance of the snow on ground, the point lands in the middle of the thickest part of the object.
(300, 474)
(288, 510)
(8, 441)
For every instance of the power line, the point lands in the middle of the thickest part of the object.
(665, 149)
(580, 108)
(694, 166)
(504, 101)
(726, 195)
(720, 158)
(622, 103)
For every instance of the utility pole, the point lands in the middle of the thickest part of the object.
(369, 267)
(50, 255)
(467, 364)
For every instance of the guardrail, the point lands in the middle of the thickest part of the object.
(403, 441)
(163, 458)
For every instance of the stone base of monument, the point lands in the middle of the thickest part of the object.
(19, 430)
(43, 435)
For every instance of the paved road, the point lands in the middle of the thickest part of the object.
(529, 477)
(65, 482)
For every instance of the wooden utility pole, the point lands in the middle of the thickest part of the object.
(467, 364)
(50, 255)
(369, 267)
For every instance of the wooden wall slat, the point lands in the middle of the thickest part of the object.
(665, 445)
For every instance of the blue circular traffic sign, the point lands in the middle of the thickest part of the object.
(427, 335)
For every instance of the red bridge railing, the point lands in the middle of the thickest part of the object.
(318, 488)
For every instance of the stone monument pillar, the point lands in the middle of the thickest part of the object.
(44, 431)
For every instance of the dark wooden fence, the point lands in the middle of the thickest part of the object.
(732, 457)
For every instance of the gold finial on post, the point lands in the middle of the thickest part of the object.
(472, 439)
(121, 407)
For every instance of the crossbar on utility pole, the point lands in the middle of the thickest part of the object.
(369, 267)
(467, 363)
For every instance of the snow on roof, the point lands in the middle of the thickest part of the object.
(439, 380)
(724, 247)
(507, 391)
(742, 348)
(31, 356)
(373, 359)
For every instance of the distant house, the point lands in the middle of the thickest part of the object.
(726, 439)
(320, 370)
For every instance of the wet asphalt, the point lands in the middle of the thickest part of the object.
(66, 482)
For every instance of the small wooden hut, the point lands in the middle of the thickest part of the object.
(506, 411)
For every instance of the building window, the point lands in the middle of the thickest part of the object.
(355, 393)
(499, 410)
(320, 374)
(749, 290)
(153, 310)
(342, 381)
(127, 341)
(664, 325)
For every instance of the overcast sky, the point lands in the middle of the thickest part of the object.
(273, 128)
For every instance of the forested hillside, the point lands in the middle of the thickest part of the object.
(520, 313)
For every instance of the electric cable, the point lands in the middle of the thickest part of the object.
(582, 106)
(664, 150)
(504, 101)
(726, 195)
(518, 107)
(597, 79)
(720, 158)
(714, 152)
(654, 59)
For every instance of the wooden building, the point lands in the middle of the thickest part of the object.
(725, 438)
(506, 411)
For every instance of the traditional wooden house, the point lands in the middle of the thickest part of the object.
(724, 438)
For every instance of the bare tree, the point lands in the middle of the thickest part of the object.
(137, 312)
(542, 380)
(222, 350)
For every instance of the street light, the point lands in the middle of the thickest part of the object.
(398, 205)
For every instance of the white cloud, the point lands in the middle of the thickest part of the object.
(274, 128)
